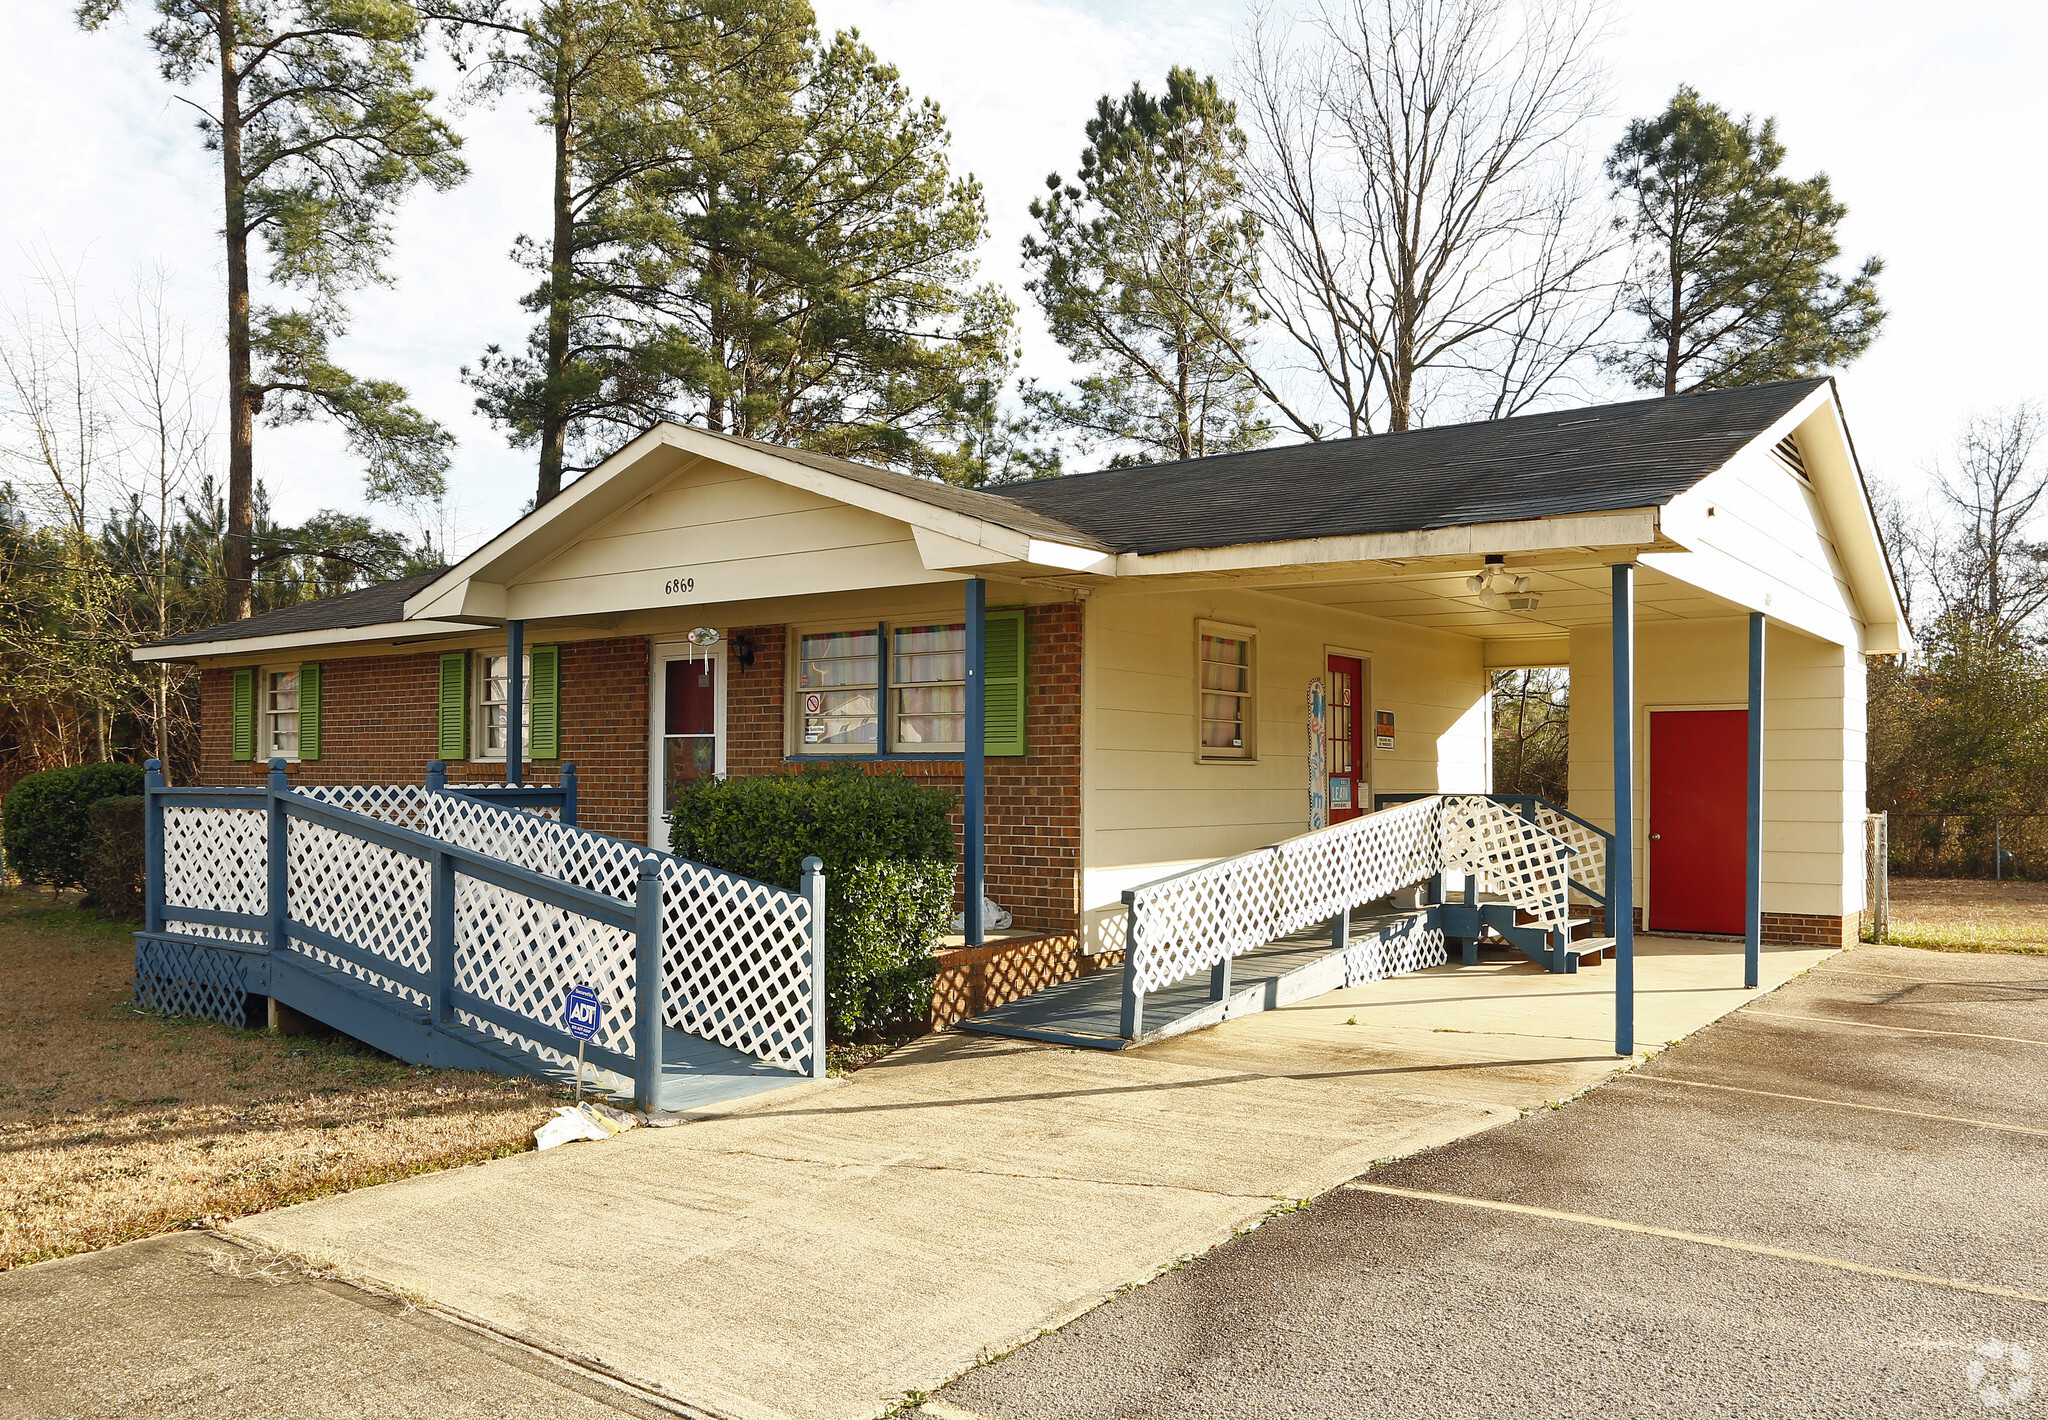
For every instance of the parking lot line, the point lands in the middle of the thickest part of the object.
(1910, 1030)
(1529, 1210)
(1845, 1104)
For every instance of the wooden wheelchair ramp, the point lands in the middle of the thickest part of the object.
(1088, 1011)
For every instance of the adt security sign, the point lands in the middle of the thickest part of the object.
(583, 1011)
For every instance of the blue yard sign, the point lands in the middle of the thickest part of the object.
(583, 1011)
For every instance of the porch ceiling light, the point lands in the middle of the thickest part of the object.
(1498, 589)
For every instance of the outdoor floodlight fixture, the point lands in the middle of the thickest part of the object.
(1499, 589)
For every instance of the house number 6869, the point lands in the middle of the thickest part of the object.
(677, 585)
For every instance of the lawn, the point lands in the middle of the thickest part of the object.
(115, 1123)
(1969, 915)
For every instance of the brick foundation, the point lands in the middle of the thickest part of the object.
(1780, 929)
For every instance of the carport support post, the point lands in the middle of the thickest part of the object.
(647, 981)
(1621, 875)
(515, 702)
(1753, 872)
(974, 809)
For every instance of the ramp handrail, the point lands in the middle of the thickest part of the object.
(1592, 845)
(1203, 917)
(484, 916)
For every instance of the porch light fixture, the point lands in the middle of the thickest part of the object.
(1499, 589)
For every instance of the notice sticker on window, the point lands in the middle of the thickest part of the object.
(814, 704)
(1340, 792)
(1383, 729)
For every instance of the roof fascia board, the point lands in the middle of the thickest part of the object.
(1630, 532)
(299, 640)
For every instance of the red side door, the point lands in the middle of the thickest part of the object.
(1699, 780)
(1344, 739)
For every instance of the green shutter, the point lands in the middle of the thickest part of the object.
(454, 736)
(1003, 685)
(245, 713)
(309, 710)
(544, 703)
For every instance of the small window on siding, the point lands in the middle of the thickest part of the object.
(277, 716)
(1226, 693)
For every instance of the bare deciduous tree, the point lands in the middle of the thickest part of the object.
(1992, 571)
(1422, 180)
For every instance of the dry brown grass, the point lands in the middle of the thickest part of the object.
(115, 1124)
(1969, 915)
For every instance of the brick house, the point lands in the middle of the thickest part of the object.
(1177, 662)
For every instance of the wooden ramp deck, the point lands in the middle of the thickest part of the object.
(1087, 1011)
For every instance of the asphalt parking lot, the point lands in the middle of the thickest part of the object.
(1830, 1203)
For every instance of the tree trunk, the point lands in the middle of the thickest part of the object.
(554, 430)
(238, 546)
(1673, 335)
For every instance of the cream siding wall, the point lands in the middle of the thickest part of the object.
(1766, 546)
(1814, 749)
(1150, 808)
(736, 536)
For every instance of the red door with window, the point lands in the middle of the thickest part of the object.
(1344, 739)
(1699, 784)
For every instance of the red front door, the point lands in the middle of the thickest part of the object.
(1344, 739)
(1699, 781)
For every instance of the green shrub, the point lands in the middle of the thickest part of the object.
(114, 865)
(44, 819)
(887, 844)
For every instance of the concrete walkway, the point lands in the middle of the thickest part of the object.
(1827, 1204)
(823, 1254)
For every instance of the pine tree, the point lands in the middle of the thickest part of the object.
(1734, 281)
(321, 131)
(1144, 267)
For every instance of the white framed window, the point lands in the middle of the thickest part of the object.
(928, 689)
(277, 712)
(1226, 693)
(837, 695)
(492, 682)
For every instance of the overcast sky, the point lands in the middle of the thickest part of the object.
(1927, 117)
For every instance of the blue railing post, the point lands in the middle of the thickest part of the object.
(1132, 1018)
(647, 1020)
(569, 795)
(441, 936)
(280, 842)
(813, 888)
(153, 846)
(975, 752)
(1621, 877)
(437, 775)
(515, 702)
(1753, 869)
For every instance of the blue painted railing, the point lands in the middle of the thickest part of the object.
(267, 934)
(560, 797)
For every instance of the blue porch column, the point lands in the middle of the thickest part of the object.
(1621, 873)
(1753, 877)
(515, 702)
(974, 809)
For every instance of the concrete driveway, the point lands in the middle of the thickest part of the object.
(824, 1255)
(1829, 1203)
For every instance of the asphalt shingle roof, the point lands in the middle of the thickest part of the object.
(1638, 454)
(1634, 455)
(371, 606)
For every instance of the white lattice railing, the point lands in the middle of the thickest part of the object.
(736, 953)
(1196, 920)
(737, 957)
(1588, 844)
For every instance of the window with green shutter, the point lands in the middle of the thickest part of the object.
(454, 707)
(245, 713)
(309, 711)
(1003, 688)
(544, 702)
